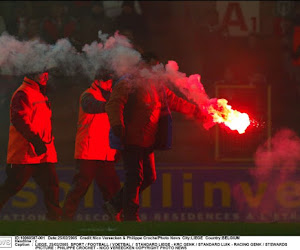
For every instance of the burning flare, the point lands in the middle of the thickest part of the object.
(223, 113)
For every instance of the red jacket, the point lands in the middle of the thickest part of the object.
(30, 115)
(92, 138)
(138, 110)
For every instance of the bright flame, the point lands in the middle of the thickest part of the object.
(233, 119)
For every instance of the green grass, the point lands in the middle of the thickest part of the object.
(147, 228)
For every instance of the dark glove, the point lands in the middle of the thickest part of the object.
(117, 155)
(118, 131)
(39, 146)
(105, 94)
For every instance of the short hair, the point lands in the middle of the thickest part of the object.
(34, 74)
(104, 74)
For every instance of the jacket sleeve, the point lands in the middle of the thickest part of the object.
(91, 105)
(20, 112)
(115, 106)
(178, 104)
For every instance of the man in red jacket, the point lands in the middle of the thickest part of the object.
(31, 151)
(95, 158)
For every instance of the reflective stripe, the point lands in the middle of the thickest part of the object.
(44, 101)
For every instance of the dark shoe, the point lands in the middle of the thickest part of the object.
(113, 213)
(131, 212)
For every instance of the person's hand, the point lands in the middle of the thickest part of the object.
(39, 146)
(117, 155)
(206, 119)
(198, 114)
(118, 131)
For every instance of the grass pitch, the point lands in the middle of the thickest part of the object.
(147, 228)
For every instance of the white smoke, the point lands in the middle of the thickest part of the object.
(190, 86)
(18, 57)
(23, 57)
(112, 53)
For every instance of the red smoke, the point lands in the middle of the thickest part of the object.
(275, 187)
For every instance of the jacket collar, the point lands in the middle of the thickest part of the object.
(31, 83)
(105, 94)
(95, 86)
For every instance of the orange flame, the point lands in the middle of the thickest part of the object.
(233, 119)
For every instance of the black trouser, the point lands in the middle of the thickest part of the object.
(105, 175)
(44, 175)
(140, 173)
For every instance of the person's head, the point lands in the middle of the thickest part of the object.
(40, 77)
(104, 79)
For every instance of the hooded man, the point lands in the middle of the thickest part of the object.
(139, 114)
(95, 159)
(31, 151)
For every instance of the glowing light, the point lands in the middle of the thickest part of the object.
(223, 113)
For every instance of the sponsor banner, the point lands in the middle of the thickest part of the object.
(181, 193)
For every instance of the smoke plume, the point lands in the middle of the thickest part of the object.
(112, 53)
(274, 177)
(24, 57)
(283, 154)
